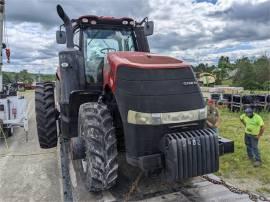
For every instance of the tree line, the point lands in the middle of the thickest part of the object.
(25, 77)
(252, 74)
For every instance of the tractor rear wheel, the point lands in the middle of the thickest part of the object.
(95, 127)
(45, 115)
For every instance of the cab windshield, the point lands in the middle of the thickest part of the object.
(99, 42)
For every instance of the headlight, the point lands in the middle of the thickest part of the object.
(143, 118)
(203, 113)
(178, 117)
(166, 118)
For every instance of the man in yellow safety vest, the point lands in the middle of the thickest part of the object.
(254, 128)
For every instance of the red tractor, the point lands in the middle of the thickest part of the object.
(112, 94)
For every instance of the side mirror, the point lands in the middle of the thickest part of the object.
(148, 28)
(61, 37)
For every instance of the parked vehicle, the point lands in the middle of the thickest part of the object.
(112, 92)
(12, 106)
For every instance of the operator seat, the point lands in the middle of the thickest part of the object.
(94, 70)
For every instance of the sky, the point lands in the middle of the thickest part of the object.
(196, 31)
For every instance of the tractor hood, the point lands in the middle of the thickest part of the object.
(141, 79)
(140, 61)
(143, 60)
(148, 87)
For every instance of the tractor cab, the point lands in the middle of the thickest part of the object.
(96, 36)
(88, 41)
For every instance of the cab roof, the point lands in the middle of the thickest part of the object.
(89, 20)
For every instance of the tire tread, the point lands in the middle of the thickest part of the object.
(95, 119)
(45, 115)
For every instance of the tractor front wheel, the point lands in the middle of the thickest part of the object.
(95, 127)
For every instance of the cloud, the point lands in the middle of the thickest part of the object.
(44, 11)
(194, 30)
(246, 11)
(243, 21)
(242, 31)
(32, 24)
(175, 41)
(32, 47)
(206, 30)
(210, 1)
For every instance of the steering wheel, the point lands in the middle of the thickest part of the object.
(107, 49)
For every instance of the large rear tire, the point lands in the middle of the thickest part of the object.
(95, 127)
(46, 115)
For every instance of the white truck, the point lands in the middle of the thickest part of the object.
(12, 107)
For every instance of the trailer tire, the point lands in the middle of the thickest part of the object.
(45, 115)
(8, 132)
(95, 127)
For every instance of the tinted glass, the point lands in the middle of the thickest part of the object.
(99, 42)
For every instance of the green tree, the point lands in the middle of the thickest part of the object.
(202, 68)
(16, 77)
(246, 75)
(262, 67)
(266, 85)
(25, 77)
(6, 78)
(224, 67)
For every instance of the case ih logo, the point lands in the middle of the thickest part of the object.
(190, 83)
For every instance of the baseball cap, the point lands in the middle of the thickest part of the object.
(248, 110)
(210, 101)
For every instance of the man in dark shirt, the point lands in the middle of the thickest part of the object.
(213, 118)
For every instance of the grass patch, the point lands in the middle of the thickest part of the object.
(254, 92)
(237, 166)
(263, 190)
(26, 92)
(227, 82)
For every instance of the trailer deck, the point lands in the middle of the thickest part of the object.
(133, 186)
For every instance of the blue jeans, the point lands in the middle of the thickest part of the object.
(251, 142)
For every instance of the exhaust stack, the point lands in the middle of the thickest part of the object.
(67, 24)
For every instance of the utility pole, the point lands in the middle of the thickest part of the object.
(39, 76)
(2, 10)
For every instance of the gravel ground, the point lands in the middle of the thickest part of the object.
(28, 173)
